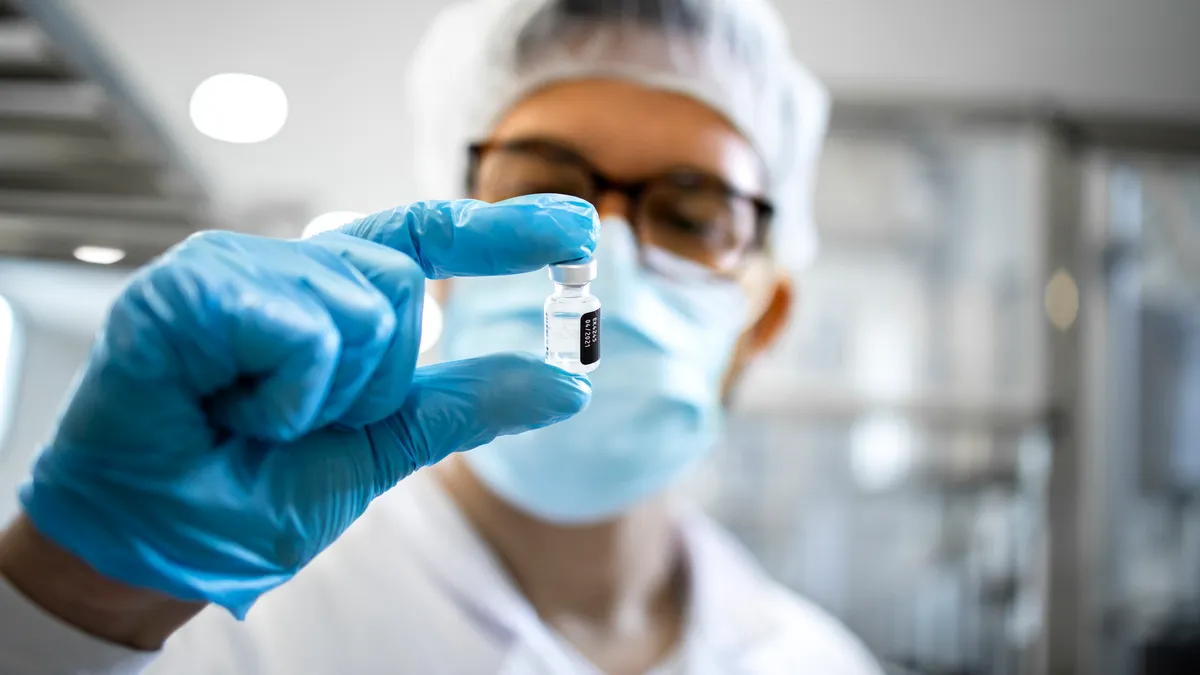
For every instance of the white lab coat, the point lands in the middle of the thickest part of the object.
(410, 588)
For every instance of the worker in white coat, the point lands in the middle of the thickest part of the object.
(236, 484)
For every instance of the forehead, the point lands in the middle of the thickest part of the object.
(629, 131)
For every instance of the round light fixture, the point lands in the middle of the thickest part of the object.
(329, 221)
(1061, 300)
(99, 255)
(239, 108)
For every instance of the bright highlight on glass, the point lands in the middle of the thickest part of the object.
(239, 108)
(881, 452)
(329, 221)
(431, 324)
(99, 255)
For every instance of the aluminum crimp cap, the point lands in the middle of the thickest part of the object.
(574, 273)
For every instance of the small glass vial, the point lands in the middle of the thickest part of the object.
(572, 318)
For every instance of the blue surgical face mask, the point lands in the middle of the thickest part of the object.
(667, 337)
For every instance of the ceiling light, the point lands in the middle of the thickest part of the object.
(431, 323)
(239, 108)
(329, 221)
(99, 255)
(21, 41)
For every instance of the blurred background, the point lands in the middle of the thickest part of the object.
(978, 445)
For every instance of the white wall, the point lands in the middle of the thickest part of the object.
(1139, 56)
(47, 370)
(342, 64)
(58, 307)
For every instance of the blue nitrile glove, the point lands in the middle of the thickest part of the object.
(249, 397)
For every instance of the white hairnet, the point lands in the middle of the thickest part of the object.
(481, 57)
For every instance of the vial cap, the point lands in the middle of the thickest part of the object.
(574, 273)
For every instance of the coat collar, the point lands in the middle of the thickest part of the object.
(727, 616)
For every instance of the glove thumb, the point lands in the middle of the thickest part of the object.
(460, 405)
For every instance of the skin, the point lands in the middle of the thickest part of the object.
(615, 590)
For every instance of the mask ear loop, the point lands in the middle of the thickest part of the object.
(757, 281)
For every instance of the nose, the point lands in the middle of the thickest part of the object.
(613, 203)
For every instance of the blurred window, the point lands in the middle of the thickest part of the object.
(1151, 514)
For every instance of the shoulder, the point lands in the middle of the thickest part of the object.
(811, 636)
(789, 634)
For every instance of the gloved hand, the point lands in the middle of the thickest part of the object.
(249, 397)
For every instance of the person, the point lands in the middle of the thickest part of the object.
(218, 496)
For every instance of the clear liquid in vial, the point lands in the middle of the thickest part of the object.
(572, 332)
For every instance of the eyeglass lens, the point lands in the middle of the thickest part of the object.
(690, 214)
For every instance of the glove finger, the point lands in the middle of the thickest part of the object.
(209, 330)
(402, 283)
(461, 405)
(473, 238)
(286, 347)
(358, 317)
(362, 315)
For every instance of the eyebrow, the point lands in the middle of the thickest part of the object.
(570, 152)
(563, 148)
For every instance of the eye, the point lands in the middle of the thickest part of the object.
(511, 173)
(692, 226)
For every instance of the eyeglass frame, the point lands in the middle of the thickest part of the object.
(631, 190)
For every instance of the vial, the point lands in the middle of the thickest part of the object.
(572, 318)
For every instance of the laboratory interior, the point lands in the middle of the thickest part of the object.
(977, 442)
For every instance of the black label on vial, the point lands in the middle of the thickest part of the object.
(589, 338)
